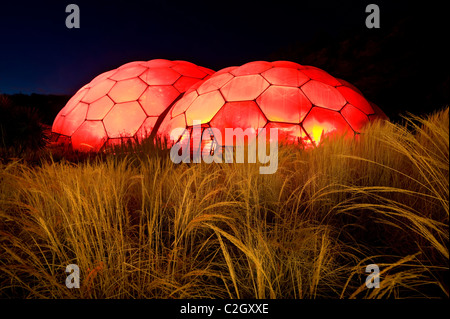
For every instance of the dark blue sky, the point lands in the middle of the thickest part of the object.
(38, 54)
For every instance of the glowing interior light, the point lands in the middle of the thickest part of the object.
(303, 102)
(317, 133)
(142, 99)
(125, 104)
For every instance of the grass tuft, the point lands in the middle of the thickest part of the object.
(140, 226)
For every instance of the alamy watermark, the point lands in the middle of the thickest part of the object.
(73, 279)
(373, 280)
(373, 19)
(73, 19)
(206, 146)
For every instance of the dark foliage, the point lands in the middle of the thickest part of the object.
(47, 105)
(21, 129)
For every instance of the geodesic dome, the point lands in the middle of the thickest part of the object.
(124, 104)
(305, 103)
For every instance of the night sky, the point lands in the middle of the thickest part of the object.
(40, 55)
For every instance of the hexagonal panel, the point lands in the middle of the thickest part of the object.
(287, 64)
(244, 115)
(189, 69)
(158, 63)
(98, 109)
(171, 124)
(90, 136)
(124, 119)
(184, 83)
(324, 95)
(320, 75)
(284, 104)
(287, 133)
(182, 104)
(130, 64)
(320, 122)
(204, 107)
(348, 84)
(128, 73)
(285, 76)
(97, 91)
(206, 70)
(193, 87)
(101, 77)
(157, 98)
(73, 102)
(186, 63)
(356, 118)
(356, 99)
(226, 70)
(214, 83)
(73, 120)
(86, 86)
(58, 124)
(127, 90)
(244, 88)
(160, 76)
(252, 68)
(146, 128)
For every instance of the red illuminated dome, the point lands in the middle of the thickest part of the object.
(305, 103)
(124, 104)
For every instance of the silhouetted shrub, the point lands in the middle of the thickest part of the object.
(21, 129)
